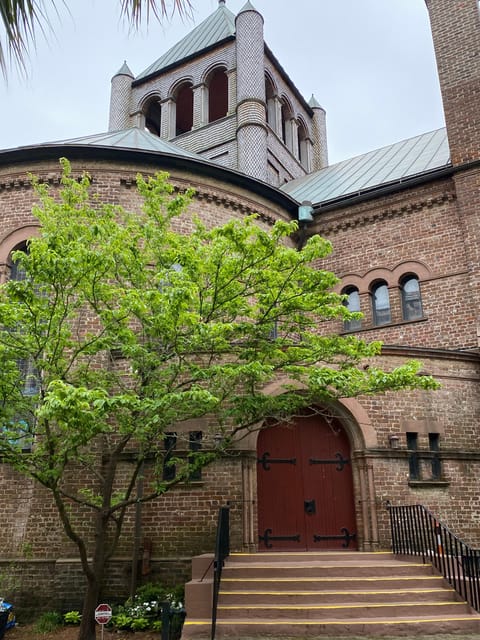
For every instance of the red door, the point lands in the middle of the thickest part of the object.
(305, 489)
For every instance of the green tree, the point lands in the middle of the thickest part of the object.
(129, 327)
(21, 19)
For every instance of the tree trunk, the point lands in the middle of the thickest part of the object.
(87, 629)
(95, 575)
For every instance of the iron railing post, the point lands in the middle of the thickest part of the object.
(222, 551)
(416, 531)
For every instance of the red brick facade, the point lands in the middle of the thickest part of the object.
(430, 229)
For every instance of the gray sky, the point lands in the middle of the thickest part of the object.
(369, 63)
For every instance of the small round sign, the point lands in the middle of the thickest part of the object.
(103, 613)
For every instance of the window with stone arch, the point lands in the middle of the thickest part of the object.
(352, 302)
(28, 373)
(15, 269)
(152, 112)
(411, 297)
(381, 312)
(287, 116)
(302, 141)
(270, 93)
(217, 94)
(184, 108)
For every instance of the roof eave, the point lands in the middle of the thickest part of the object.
(199, 167)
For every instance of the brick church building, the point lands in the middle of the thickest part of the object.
(219, 113)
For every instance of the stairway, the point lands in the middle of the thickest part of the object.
(330, 594)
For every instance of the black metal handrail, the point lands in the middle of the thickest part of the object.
(416, 531)
(222, 551)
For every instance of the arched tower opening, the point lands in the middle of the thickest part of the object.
(217, 95)
(184, 109)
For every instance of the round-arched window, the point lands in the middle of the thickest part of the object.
(381, 304)
(411, 298)
(353, 304)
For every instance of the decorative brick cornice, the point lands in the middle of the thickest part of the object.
(23, 181)
(368, 216)
(217, 196)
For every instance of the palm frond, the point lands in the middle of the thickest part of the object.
(138, 10)
(21, 20)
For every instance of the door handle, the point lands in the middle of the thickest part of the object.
(310, 507)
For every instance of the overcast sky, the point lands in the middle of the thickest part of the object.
(369, 63)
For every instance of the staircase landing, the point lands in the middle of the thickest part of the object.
(325, 594)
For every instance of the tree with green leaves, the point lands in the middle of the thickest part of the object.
(21, 19)
(120, 328)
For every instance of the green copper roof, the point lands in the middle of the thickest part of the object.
(214, 29)
(133, 138)
(388, 165)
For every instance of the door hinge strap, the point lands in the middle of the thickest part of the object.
(267, 537)
(347, 537)
(266, 461)
(340, 461)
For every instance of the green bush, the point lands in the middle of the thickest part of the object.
(144, 610)
(72, 617)
(48, 622)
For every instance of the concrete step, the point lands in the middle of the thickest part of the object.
(314, 583)
(309, 595)
(332, 582)
(237, 570)
(332, 627)
(308, 556)
(366, 610)
(296, 597)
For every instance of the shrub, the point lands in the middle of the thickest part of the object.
(48, 622)
(144, 610)
(72, 617)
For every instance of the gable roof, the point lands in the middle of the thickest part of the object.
(218, 27)
(381, 167)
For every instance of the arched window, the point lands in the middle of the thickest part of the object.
(286, 124)
(302, 145)
(17, 272)
(153, 117)
(381, 303)
(217, 95)
(411, 298)
(184, 110)
(22, 435)
(353, 304)
(270, 103)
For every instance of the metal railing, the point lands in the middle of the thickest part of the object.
(222, 551)
(416, 531)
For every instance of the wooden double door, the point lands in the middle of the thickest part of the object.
(305, 488)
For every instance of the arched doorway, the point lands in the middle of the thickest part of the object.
(305, 486)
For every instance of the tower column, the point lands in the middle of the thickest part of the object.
(200, 105)
(167, 122)
(120, 95)
(251, 114)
